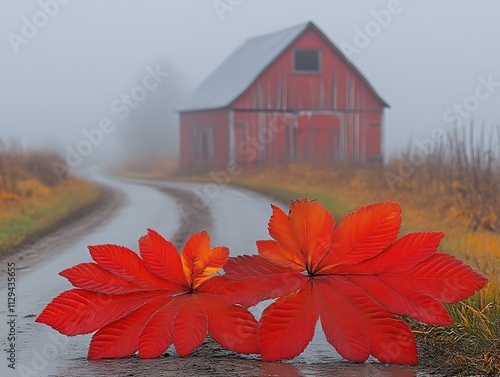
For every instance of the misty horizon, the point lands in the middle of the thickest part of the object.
(85, 64)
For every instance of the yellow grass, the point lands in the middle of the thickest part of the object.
(147, 167)
(41, 208)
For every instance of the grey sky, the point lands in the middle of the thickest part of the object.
(429, 56)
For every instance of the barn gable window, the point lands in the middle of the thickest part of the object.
(307, 61)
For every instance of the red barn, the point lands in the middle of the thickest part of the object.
(288, 96)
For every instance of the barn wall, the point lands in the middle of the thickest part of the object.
(338, 87)
(207, 132)
(276, 138)
(263, 137)
(344, 119)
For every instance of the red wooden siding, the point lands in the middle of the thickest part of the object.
(338, 87)
(286, 116)
(199, 150)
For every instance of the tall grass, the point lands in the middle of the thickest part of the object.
(18, 164)
(462, 172)
(33, 197)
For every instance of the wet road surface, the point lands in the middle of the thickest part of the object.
(233, 217)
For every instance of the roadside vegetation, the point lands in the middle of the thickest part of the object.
(452, 187)
(33, 198)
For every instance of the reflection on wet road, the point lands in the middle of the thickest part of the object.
(234, 217)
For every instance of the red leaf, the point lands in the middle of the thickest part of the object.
(362, 235)
(361, 280)
(121, 338)
(78, 311)
(162, 258)
(276, 253)
(198, 261)
(406, 252)
(156, 336)
(252, 265)
(233, 327)
(259, 280)
(357, 327)
(216, 285)
(442, 277)
(146, 304)
(190, 325)
(127, 265)
(287, 325)
(302, 238)
(400, 301)
(92, 277)
(312, 225)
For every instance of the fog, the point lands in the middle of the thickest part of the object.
(63, 80)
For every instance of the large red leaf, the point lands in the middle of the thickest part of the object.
(78, 311)
(162, 258)
(442, 277)
(232, 326)
(121, 338)
(257, 279)
(287, 325)
(127, 265)
(362, 235)
(359, 283)
(312, 224)
(146, 304)
(406, 252)
(92, 277)
(199, 261)
(190, 325)
(357, 326)
(156, 336)
(252, 265)
(401, 301)
(279, 254)
(410, 278)
(216, 286)
(302, 238)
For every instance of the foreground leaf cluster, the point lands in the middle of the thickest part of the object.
(355, 277)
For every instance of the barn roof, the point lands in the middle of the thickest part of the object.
(239, 71)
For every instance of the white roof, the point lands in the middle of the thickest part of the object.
(235, 75)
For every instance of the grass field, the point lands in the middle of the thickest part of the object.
(472, 345)
(33, 198)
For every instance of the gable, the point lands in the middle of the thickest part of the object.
(243, 68)
(327, 82)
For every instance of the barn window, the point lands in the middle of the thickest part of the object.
(203, 143)
(307, 61)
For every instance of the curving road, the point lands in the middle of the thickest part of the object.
(233, 217)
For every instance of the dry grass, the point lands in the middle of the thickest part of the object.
(148, 167)
(33, 198)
